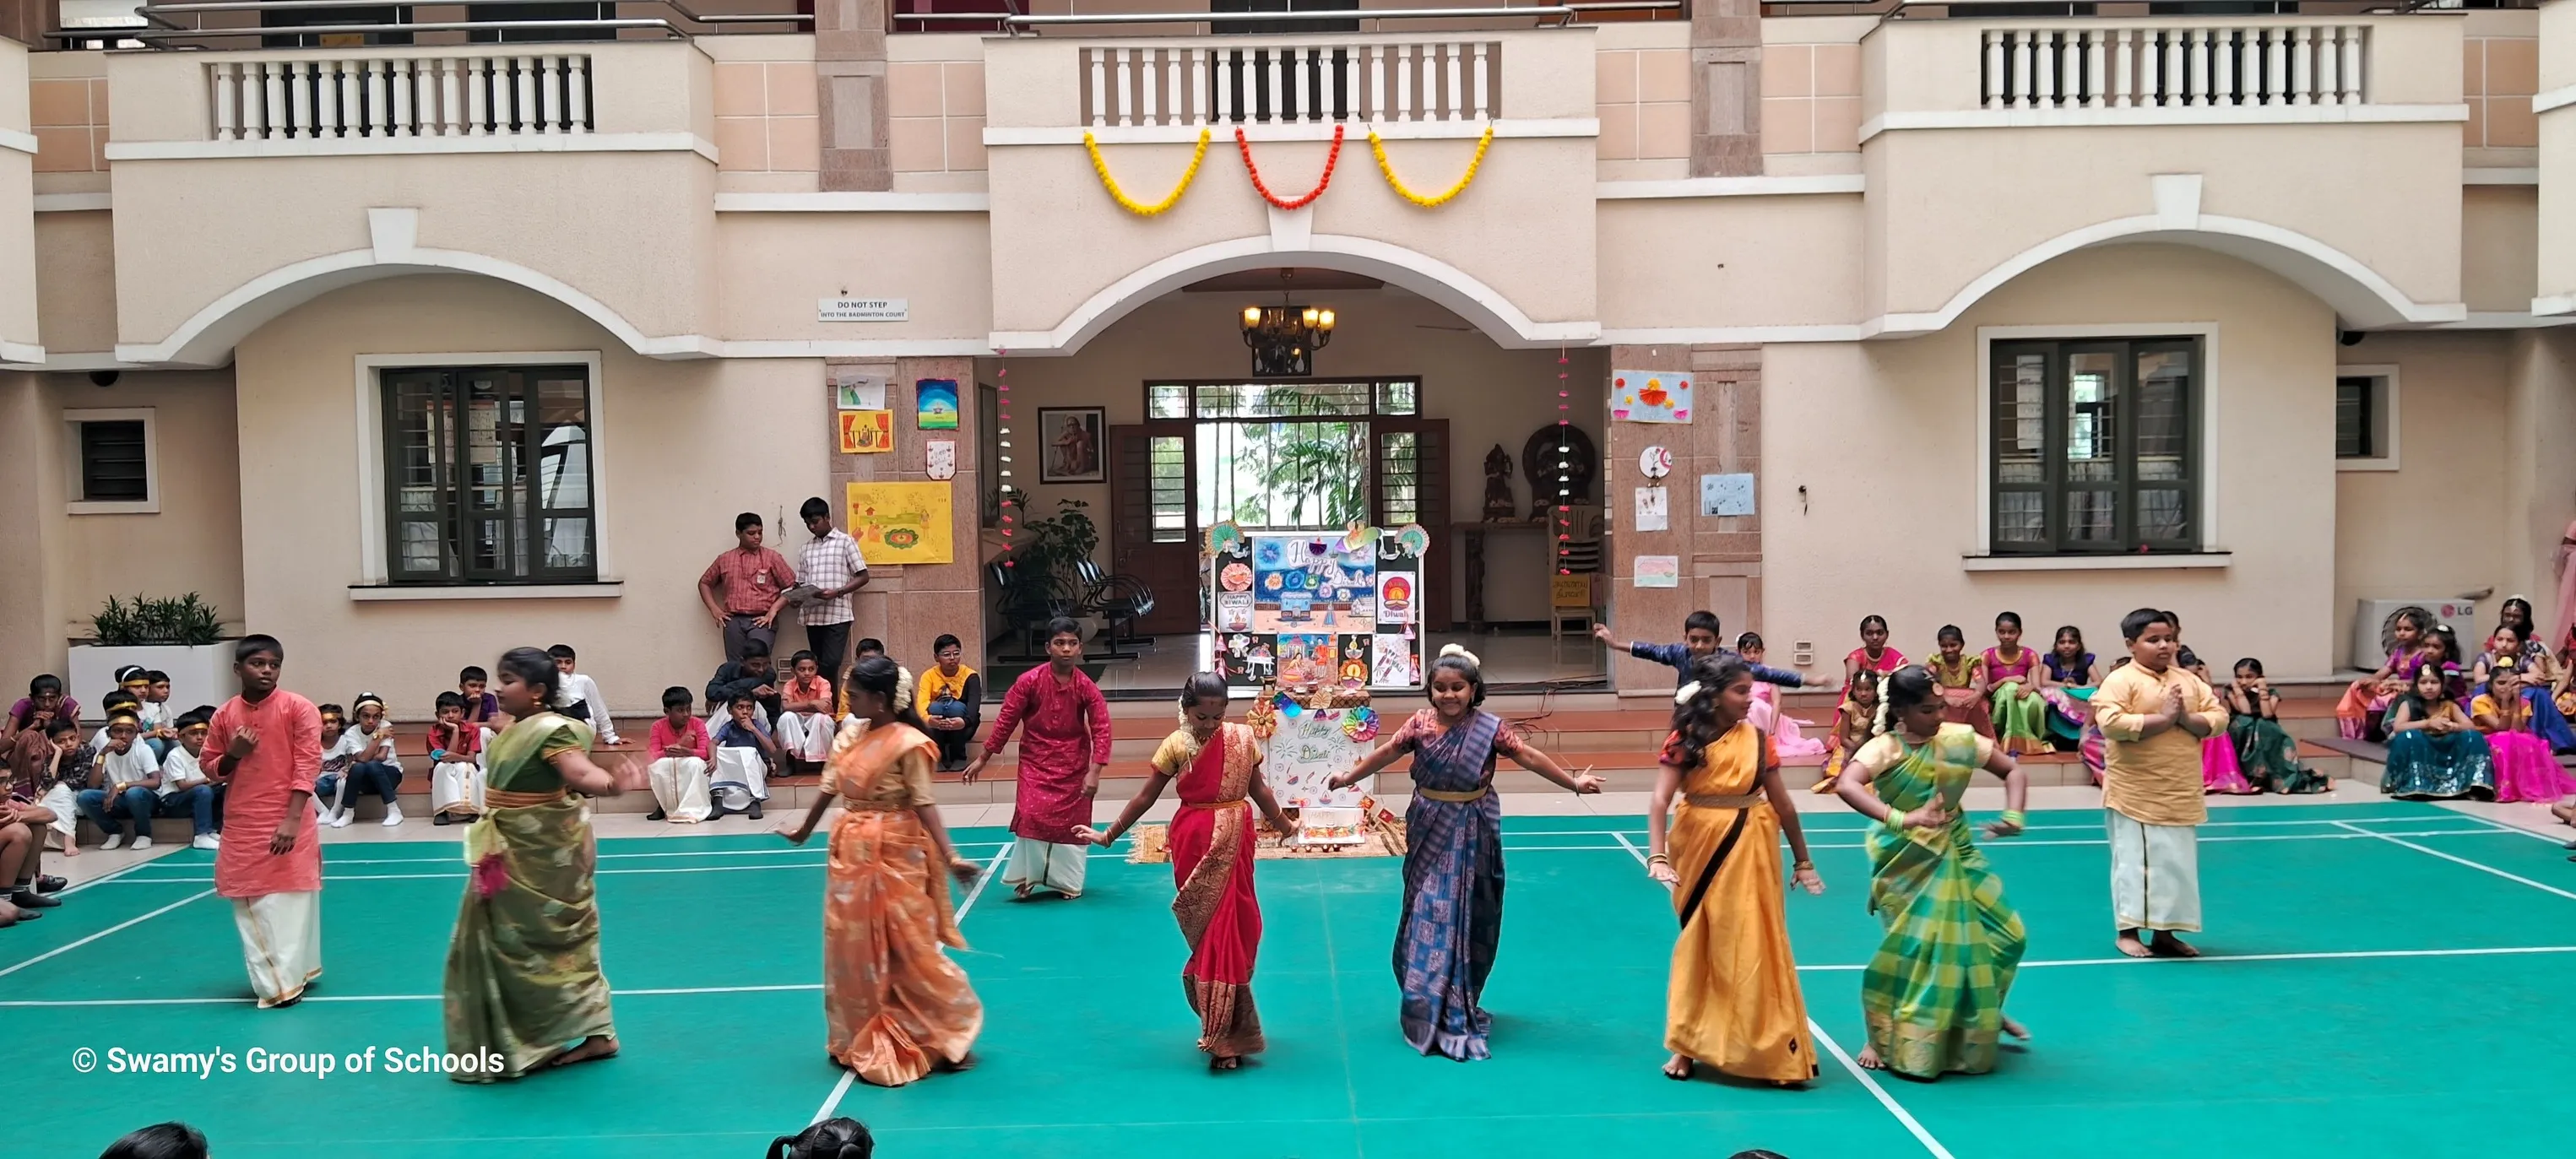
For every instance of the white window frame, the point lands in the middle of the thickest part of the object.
(2212, 553)
(150, 504)
(2383, 406)
(375, 578)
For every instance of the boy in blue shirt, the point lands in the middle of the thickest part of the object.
(1699, 639)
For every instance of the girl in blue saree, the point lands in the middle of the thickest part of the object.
(1453, 860)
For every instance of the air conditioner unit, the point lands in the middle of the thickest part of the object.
(2374, 621)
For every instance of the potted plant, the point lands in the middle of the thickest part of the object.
(1048, 550)
(182, 636)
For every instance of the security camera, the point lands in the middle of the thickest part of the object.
(102, 378)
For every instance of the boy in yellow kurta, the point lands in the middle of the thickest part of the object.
(2153, 716)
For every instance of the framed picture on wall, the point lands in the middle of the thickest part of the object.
(1069, 445)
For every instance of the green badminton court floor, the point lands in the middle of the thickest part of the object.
(2383, 979)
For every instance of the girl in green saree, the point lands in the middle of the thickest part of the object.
(523, 978)
(1933, 994)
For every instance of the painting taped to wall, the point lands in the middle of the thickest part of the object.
(902, 522)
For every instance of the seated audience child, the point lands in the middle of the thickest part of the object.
(2219, 772)
(2265, 751)
(806, 721)
(109, 705)
(679, 747)
(2361, 714)
(744, 754)
(331, 781)
(752, 676)
(455, 763)
(373, 765)
(2434, 751)
(1873, 655)
(44, 701)
(124, 777)
(482, 708)
(1786, 740)
(184, 785)
(1699, 641)
(1855, 721)
(2525, 769)
(951, 701)
(1961, 679)
(871, 646)
(2019, 700)
(2069, 687)
(2533, 671)
(579, 697)
(49, 761)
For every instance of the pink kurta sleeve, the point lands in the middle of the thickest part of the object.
(1095, 711)
(1015, 704)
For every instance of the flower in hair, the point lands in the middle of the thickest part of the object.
(1686, 693)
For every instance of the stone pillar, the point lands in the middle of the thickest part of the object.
(31, 470)
(1726, 88)
(1721, 557)
(850, 74)
(908, 606)
(27, 21)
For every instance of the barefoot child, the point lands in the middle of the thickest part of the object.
(1786, 739)
(2153, 717)
(745, 753)
(270, 746)
(2020, 696)
(456, 764)
(523, 975)
(1733, 1000)
(1933, 994)
(1218, 766)
(1853, 720)
(1060, 761)
(806, 722)
(680, 748)
(1453, 861)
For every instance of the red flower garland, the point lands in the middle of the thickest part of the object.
(1244, 145)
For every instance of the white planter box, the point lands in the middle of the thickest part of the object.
(198, 675)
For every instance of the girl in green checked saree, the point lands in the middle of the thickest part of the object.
(1933, 994)
(523, 976)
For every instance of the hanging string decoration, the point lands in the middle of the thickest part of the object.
(1377, 145)
(1002, 422)
(1100, 165)
(1564, 494)
(1243, 144)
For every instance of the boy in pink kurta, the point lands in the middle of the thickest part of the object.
(270, 741)
(1066, 743)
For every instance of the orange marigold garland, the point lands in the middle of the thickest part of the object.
(1244, 145)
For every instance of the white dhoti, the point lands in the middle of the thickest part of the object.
(65, 808)
(805, 736)
(741, 777)
(456, 789)
(2155, 874)
(281, 936)
(680, 788)
(1038, 864)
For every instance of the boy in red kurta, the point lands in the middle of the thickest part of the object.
(1060, 760)
(270, 741)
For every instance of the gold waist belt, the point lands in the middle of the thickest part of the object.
(1213, 804)
(505, 799)
(855, 806)
(1477, 794)
(1721, 800)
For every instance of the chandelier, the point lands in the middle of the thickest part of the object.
(1284, 338)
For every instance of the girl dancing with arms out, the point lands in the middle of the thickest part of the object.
(1933, 994)
(1733, 1001)
(1453, 858)
(1218, 766)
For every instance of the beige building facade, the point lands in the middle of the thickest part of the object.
(441, 342)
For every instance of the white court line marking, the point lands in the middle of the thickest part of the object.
(789, 851)
(1907, 1120)
(1884, 1099)
(2479, 866)
(992, 869)
(1854, 968)
(68, 947)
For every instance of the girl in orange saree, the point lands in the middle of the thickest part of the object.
(897, 1008)
(1218, 766)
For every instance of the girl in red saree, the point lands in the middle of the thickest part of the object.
(1218, 766)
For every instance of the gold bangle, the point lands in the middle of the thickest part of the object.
(1802, 863)
(1658, 859)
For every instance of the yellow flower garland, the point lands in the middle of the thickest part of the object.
(1131, 205)
(1378, 146)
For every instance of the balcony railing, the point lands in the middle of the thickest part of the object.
(407, 96)
(1125, 85)
(2205, 66)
